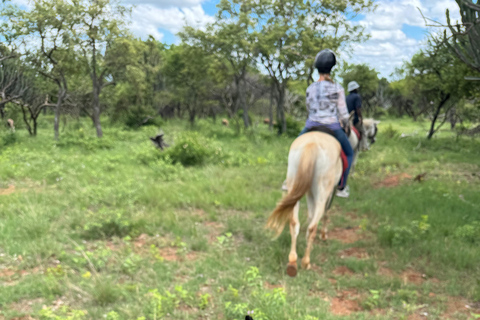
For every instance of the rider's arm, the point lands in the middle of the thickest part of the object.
(358, 107)
(342, 107)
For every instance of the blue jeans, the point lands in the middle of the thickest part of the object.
(347, 148)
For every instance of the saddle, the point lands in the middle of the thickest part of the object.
(357, 133)
(326, 130)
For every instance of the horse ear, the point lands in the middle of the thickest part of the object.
(377, 122)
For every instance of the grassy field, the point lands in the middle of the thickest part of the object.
(115, 229)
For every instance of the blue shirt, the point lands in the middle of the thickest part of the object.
(354, 103)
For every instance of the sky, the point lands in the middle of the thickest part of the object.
(396, 28)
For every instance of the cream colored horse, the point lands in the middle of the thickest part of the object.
(314, 168)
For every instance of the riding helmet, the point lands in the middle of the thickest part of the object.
(325, 61)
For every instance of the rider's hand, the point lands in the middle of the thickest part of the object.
(348, 130)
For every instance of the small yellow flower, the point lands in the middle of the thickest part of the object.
(87, 275)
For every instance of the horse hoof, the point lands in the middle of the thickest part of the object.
(306, 266)
(292, 270)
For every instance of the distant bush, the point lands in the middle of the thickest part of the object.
(79, 138)
(190, 150)
(380, 113)
(105, 224)
(469, 232)
(293, 127)
(390, 132)
(9, 139)
(403, 235)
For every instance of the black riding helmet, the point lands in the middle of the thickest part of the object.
(325, 61)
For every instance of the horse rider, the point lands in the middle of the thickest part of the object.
(354, 103)
(327, 107)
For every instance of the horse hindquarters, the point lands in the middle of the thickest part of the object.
(327, 175)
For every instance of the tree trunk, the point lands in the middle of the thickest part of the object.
(281, 108)
(96, 109)
(270, 112)
(61, 96)
(243, 101)
(96, 93)
(35, 125)
(437, 113)
(29, 128)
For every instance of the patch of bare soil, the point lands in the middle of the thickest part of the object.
(9, 190)
(345, 303)
(392, 181)
(270, 286)
(386, 272)
(215, 229)
(173, 254)
(416, 317)
(348, 235)
(456, 305)
(359, 253)
(8, 274)
(342, 270)
(417, 278)
(25, 306)
(141, 241)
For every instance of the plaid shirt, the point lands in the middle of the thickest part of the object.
(326, 103)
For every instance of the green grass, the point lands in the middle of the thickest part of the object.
(115, 229)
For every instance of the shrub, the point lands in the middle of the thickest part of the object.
(390, 132)
(403, 235)
(293, 127)
(190, 150)
(107, 224)
(469, 232)
(79, 138)
(9, 139)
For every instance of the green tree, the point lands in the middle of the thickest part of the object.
(47, 30)
(291, 32)
(438, 79)
(368, 80)
(230, 40)
(187, 69)
(98, 24)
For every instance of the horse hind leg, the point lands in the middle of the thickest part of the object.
(294, 230)
(325, 217)
(312, 231)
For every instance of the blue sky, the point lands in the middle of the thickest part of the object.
(397, 29)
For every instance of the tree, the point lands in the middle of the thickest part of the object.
(99, 23)
(187, 69)
(438, 77)
(291, 32)
(465, 43)
(230, 40)
(12, 83)
(368, 80)
(51, 23)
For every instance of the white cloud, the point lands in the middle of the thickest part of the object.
(388, 45)
(148, 16)
(166, 3)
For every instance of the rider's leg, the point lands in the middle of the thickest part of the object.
(304, 130)
(363, 142)
(347, 148)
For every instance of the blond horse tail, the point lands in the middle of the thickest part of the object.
(302, 183)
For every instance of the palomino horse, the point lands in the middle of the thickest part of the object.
(314, 168)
